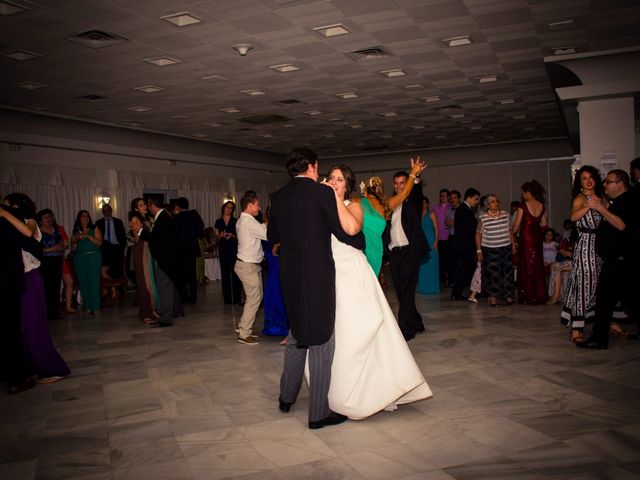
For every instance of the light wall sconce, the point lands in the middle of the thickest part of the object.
(103, 199)
(242, 48)
(228, 197)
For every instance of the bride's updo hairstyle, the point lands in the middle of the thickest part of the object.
(375, 187)
(349, 177)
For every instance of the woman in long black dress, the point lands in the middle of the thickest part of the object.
(225, 231)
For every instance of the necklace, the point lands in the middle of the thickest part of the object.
(494, 215)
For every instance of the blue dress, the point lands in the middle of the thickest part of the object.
(275, 316)
(429, 274)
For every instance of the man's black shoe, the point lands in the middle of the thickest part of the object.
(592, 344)
(160, 325)
(284, 406)
(333, 419)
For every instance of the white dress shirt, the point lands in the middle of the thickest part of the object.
(250, 233)
(398, 237)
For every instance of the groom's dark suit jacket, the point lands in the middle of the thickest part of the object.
(163, 244)
(303, 217)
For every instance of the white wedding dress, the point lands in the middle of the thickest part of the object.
(373, 368)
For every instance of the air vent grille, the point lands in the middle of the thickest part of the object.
(90, 98)
(289, 101)
(262, 119)
(97, 39)
(371, 53)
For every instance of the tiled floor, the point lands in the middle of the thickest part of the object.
(513, 400)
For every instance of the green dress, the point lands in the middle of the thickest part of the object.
(86, 262)
(373, 224)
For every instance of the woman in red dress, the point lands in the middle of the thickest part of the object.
(530, 222)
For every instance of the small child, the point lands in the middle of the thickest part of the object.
(476, 283)
(549, 247)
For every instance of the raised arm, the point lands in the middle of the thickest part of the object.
(417, 166)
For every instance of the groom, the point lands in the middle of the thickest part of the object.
(303, 217)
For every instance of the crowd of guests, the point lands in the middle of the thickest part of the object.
(465, 242)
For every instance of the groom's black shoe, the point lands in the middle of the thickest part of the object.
(333, 419)
(592, 344)
(284, 406)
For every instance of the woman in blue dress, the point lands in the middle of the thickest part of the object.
(428, 276)
(275, 316)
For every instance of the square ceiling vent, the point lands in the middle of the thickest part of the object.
(262, 119)
(371, 53)
(97, 39)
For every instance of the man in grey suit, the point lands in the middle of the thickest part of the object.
(303, 217)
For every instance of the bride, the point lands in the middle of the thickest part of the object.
(373, 368)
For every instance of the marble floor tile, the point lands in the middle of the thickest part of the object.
(513, 399)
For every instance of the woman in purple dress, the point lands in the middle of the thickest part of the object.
(38, 345)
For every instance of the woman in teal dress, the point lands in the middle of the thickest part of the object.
(85, 245)
(428, 276)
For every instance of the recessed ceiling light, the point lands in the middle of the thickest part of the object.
(149, 88)
(21, 55)
(417, 127)
(457, 41)
(386, 136)
(39, 107)
(519, 117)
(561, 24)
(313, 112)
(199, 135)
(132, 124)
(457, 115)
(162, 61)
(180, 117)
(563, 50)
(475, 127)
(31, 85)
(506, 101)
(253, 93)
(396, 72)
(347, 95)
(487, 78)
(140, 108)
(328, 135)
(332, 30)
(266, 135)
(415, 85)
(181, 19)
(529, 129)
(356, 126)
(8, 8)
(285, 67)
(213, 77)
(440, 137)
(389, 114)
(230, 110)
(210, 124)
(433, 98)
(489, 137)
(335, 119)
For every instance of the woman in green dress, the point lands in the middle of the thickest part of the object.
(85, 245)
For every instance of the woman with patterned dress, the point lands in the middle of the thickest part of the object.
(429, 273)
(531, 219)
(583, 281)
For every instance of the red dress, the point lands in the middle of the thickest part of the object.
(532, 287)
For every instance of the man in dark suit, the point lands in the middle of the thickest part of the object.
(189, 225)
(114, 241)
(163, 244)
(303, 217)
(464, 243)
(408, 244)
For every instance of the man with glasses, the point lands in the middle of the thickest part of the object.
(615, 245)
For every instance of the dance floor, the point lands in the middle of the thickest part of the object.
(513, 399)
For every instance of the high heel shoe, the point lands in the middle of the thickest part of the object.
(576, 336)
(617, 330)
(493, 302)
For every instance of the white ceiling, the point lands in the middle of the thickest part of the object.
(510, 38)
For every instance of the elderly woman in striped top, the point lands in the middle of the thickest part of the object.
(495, 245)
